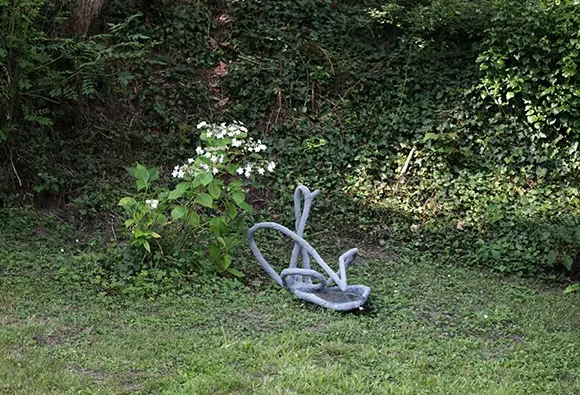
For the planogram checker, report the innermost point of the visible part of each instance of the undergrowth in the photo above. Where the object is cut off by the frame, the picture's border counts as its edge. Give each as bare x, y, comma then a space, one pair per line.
447, 126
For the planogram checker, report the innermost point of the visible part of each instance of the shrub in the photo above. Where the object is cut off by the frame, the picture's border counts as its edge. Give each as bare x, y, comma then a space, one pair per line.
199, 217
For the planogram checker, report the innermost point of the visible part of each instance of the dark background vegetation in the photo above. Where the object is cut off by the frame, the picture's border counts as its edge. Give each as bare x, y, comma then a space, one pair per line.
445, 126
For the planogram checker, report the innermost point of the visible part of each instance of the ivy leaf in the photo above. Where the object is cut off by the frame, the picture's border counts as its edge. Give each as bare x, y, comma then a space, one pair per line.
567, 262
552, 255
430, 136
205, 200
572, 288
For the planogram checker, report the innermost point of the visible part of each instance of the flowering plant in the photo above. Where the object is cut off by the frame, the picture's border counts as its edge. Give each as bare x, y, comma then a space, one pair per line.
202, 207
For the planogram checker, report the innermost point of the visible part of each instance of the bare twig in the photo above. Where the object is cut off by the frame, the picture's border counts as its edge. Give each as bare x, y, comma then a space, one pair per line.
327, 58
113, 229
406, 166
14, 169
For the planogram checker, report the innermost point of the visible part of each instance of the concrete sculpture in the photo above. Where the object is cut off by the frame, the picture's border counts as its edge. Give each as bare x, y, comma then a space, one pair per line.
298, 280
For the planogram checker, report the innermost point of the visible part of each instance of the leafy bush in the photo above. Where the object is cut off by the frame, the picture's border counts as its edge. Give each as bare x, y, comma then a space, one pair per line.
200, 214
529, 60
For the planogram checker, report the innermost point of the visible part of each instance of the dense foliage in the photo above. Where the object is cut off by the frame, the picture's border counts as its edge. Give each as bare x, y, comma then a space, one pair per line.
450, 125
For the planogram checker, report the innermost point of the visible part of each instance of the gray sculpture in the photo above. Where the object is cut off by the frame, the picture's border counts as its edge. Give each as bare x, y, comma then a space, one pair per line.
298, 280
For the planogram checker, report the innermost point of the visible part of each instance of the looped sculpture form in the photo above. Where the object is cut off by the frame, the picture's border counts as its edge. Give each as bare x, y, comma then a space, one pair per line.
298, 280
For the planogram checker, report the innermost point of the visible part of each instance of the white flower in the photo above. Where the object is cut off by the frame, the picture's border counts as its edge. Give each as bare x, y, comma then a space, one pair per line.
261, 171
221, 159
199, 151
247, 174
214, 158
204, 167
240, 170
62, 250
243, 129
209, 133
236, 142
262, 147
152, 203
208, 155
77, 240
271, 166
201, 124
215, 170
485, 316
176, 172
190, 160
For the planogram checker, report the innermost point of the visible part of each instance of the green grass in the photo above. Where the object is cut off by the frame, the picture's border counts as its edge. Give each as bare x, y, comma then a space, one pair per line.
432, 330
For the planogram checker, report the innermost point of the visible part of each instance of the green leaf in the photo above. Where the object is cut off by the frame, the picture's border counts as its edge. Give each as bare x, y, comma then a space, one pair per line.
127, 202
194, 219
147, 246
238, 197
179, 190
218, 226
153, 174
205, 178
160, 218
214, 190
552, 255
430, 136
178, 212
246, 207
129, 222
572, 288
227, 260
567, 262
214, 253
235, 184
141, 173
141, 185
231, 210
235, 272
205, 200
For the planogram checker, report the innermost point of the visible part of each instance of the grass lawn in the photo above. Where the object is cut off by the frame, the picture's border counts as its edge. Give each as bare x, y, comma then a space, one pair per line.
432, 330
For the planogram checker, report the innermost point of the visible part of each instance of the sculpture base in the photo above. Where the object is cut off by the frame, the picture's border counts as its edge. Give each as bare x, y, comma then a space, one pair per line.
333, 298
